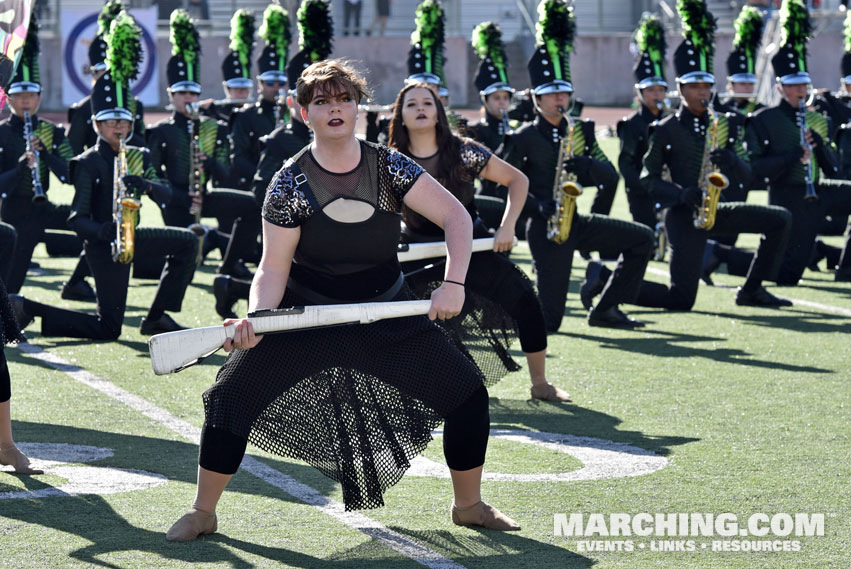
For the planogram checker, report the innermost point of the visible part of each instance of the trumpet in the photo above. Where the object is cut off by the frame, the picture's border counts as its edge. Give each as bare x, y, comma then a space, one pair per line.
35, 170
125, 210
233, 102
376, 108
810, 194
565, 188
712, 182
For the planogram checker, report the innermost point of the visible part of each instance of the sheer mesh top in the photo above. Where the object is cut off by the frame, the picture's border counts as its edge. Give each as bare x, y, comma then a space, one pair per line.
382, 179
474, 158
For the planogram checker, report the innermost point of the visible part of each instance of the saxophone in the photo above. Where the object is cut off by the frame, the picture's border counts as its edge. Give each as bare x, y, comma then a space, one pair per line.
125, 210
196, 178
38, 190
712, 182
565, 189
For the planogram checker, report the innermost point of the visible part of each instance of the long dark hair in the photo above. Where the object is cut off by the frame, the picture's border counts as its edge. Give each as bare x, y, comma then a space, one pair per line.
450, 170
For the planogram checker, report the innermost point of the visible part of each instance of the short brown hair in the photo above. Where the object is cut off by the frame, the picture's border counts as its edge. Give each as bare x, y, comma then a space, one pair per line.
331, 76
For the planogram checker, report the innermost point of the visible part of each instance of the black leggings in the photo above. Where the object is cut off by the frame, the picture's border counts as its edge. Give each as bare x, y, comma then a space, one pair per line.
5, 380
465, 439
496, 278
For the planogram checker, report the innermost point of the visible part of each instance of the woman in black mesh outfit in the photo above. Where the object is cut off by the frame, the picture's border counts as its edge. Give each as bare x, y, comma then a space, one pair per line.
356, 402
500, 297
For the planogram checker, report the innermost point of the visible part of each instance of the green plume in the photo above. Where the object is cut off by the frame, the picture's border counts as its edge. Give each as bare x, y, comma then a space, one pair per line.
650, 37
794, 25
124, 48
316, 28
748, 28
107, 14
487, 42
242, 35
275, 29
846, 31
698, 26
32, 45
430, 33
556, 27
184, 37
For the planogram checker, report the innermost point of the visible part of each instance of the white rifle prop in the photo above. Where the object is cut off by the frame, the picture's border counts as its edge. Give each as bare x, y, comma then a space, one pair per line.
419, 251
174, 351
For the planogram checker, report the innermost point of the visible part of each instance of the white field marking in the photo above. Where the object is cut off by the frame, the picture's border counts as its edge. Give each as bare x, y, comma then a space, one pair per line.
56, 458
375, 530
795, 301
600, 458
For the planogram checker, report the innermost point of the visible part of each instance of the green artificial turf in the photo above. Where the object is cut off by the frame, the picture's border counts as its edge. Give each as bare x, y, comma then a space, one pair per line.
749, 406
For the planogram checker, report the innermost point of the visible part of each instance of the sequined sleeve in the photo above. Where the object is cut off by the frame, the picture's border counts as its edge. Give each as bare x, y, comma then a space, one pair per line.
401, 171
475, 156
286, 204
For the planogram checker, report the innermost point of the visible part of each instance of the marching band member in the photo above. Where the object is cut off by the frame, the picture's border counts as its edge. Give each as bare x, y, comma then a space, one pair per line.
314, 23
236, 70
535, 150
741, 64
796, 171
32, 148
686, 150
190, 163
93, 213
634, 131
252, 122
81, 135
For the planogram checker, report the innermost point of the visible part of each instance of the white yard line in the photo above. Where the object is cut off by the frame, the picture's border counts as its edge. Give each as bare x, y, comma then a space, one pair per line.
375, 530
796, 301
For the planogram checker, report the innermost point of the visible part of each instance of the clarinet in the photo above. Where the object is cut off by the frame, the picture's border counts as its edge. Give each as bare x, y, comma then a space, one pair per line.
196, 179
38, 191
196, 165
810, 194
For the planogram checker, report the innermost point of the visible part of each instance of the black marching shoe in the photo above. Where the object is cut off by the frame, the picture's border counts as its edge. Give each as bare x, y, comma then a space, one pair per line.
161, 325
760, 297
80, 290
224, 298
612, 318
842, 275
710, 263
23, 317
592, 285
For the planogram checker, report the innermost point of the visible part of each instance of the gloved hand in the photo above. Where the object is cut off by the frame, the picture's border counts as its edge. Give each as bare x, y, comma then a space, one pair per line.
579, 165
136, 183
723, 158
818, 141
209, 165
546, 208
691, 196
106, 232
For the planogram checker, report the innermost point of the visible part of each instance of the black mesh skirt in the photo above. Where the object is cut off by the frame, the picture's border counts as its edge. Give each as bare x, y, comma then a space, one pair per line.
484, 331
356, 402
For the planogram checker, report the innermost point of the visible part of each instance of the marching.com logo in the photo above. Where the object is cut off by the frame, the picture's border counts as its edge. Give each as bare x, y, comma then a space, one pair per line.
766, 528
